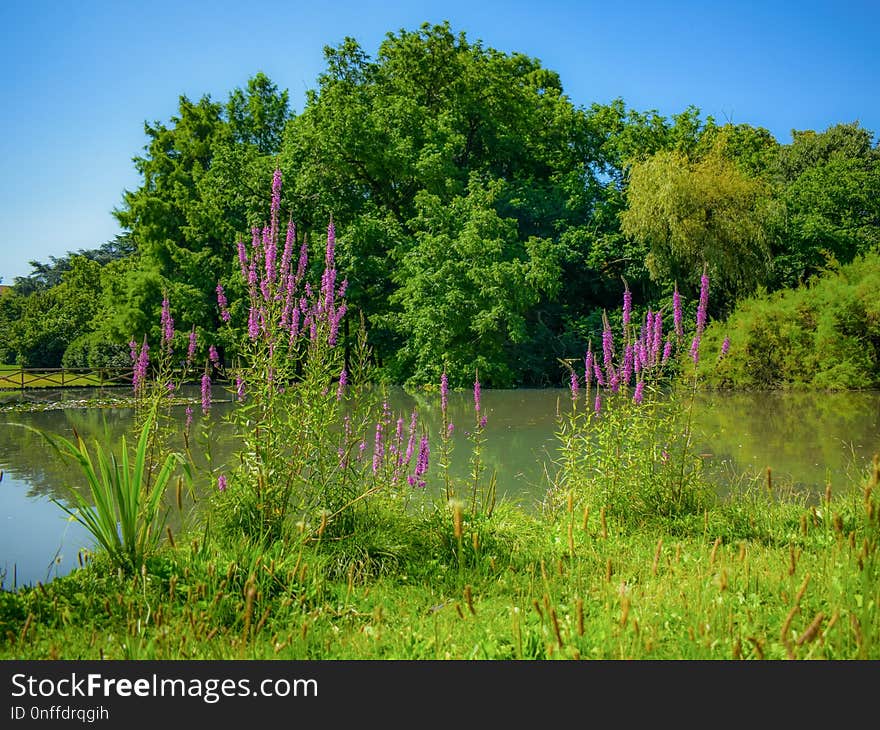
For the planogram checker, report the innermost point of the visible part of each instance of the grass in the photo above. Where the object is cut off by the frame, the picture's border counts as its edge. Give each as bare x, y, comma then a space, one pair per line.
757, 578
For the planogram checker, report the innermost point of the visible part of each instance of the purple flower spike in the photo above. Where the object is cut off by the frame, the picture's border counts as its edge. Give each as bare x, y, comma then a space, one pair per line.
206, 393
676, 313
343, 381
189, 417
597, 404
574, 385
627, 307
191, 347
239, 387
725, 346
222, 303
639, 392
444, 392
703, 304
167, 323
213, 356
667, 351
221, 483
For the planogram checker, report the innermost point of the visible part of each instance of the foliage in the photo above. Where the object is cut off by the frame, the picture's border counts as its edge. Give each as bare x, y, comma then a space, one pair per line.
124, 513
824, 334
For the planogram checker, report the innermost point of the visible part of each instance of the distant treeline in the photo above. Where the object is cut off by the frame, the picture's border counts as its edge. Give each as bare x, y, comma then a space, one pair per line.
484, 221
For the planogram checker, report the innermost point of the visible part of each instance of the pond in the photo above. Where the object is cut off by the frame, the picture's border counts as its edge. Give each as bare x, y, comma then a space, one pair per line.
808, 439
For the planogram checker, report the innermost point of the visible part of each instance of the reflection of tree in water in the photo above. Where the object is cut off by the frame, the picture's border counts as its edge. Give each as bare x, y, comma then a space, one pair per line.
799, 435
803, 437
26, 456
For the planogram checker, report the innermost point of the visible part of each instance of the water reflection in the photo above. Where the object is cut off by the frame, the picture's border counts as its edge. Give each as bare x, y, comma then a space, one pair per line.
807, 439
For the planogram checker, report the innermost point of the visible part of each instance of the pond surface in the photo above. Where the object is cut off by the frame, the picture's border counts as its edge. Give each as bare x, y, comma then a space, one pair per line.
808, 440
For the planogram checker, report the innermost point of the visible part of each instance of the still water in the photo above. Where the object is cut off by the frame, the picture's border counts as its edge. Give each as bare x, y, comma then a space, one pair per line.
808, 440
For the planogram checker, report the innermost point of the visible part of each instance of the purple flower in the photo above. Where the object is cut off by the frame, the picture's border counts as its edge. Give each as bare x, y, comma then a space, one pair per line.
343, 381
139, 374
574, 385
253, 323
725, 346
676, 312
222, 303
287, 254
242, 258
133, 351
221, 483
597, 371
444, 392
628, 364
191, 348
703, 304
206, 393
421, 462
667, 351
627, 307
607, 348
449, 429
477, 394
167, 323
189, 417
639, 392
657, 338
695, 349
597, 404
588, 368
239, 387
411, 443
213, 356
378, 448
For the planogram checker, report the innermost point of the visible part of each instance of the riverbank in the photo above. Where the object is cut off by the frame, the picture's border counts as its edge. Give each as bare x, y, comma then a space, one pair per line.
763, 576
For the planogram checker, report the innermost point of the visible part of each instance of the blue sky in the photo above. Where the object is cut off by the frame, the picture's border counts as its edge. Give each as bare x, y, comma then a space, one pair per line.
79, 79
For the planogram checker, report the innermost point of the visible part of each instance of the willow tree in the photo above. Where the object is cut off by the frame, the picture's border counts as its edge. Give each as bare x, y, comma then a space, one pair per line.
694, 212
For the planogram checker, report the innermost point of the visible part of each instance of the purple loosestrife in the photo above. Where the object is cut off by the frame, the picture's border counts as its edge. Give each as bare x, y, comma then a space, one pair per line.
639, 392
141, 367
588, 368
597, 371
607, 347
627, 307
574, 385
239, 387
328, 279
222, 304
444, 393
411, 443
478, 395
133, 351
213, 356
667, 351
167, 324
253, 323
270, 247
421, 464
287, 254
597, 404
340, 388
725, 346
276, 201
242, 259
676, 312
189, 417
703, 304
221, 483
628, 364
206, 393
658, 337
191, 347
378, 448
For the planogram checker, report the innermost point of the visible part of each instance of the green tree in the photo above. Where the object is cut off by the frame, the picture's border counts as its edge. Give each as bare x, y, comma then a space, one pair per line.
696, 212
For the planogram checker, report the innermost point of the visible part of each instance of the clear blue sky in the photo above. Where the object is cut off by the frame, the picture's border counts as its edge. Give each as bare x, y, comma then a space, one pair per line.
80, 78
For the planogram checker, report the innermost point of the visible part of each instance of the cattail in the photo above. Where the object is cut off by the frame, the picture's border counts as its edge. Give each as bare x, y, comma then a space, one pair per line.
456, 521
469, 599
657, 556
580, 616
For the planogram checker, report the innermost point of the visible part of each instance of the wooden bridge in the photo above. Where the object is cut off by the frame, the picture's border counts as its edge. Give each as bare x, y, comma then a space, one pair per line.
14, 378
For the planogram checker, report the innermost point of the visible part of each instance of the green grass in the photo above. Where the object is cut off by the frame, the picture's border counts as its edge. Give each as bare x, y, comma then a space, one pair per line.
758, 578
